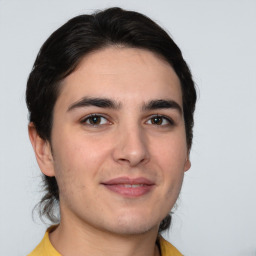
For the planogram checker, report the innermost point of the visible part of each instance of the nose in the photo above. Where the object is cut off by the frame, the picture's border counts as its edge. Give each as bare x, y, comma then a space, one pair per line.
131, 147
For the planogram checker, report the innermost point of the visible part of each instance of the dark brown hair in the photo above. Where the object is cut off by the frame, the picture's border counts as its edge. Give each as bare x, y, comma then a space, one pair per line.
62, 52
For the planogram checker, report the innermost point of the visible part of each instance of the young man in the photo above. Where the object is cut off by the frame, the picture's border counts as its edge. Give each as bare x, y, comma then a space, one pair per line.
111, 103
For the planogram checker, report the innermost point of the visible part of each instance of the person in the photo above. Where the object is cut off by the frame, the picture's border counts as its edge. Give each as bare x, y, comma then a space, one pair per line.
111, 103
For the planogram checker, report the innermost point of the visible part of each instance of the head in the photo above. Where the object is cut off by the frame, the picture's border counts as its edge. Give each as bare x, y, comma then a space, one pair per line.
65, 50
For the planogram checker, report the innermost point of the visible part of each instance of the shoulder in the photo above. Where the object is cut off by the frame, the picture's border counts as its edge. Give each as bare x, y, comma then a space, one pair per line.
45, 247
167, 249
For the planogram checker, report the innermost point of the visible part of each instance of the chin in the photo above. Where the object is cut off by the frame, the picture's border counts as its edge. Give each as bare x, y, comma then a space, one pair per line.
130, 225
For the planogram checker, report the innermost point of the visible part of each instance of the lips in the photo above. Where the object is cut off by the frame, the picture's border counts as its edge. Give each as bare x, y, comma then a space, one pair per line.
129, 187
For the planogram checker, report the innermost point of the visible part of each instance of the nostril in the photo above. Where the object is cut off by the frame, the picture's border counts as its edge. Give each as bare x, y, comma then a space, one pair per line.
123, 160
132, 161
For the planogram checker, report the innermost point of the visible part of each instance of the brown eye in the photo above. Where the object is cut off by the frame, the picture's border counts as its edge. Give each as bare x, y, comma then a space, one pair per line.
95, 120
158, 120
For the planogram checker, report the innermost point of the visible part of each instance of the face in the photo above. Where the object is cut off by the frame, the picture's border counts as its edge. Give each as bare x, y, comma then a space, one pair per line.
118, 141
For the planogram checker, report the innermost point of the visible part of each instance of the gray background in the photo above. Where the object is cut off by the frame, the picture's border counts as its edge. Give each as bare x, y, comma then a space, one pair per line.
217, 208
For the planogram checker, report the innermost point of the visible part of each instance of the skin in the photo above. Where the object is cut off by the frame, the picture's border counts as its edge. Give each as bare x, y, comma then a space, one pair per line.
130, 140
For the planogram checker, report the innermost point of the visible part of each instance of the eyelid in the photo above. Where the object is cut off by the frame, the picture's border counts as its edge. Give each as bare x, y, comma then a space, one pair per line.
85, 118
108, 120
167, 118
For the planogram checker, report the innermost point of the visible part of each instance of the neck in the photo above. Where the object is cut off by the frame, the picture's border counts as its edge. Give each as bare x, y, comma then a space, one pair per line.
79, 239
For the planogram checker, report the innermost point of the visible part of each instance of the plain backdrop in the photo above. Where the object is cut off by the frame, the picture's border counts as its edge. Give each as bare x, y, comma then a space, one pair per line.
216, 211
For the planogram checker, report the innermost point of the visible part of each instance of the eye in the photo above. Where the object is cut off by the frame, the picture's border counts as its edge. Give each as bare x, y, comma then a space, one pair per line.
95, 120
160, 120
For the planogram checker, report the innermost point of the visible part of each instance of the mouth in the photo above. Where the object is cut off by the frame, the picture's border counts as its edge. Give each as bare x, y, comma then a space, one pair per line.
128, 187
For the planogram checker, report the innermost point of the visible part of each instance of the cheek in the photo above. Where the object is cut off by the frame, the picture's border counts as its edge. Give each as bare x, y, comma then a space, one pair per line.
80, 156
170, 153
170, 156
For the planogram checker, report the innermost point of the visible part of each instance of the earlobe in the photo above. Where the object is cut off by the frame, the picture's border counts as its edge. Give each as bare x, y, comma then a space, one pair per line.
187, 164
42, 151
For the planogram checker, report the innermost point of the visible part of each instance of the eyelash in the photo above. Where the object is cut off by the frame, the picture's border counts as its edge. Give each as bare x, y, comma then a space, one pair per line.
163, 118
169, 121
91, 116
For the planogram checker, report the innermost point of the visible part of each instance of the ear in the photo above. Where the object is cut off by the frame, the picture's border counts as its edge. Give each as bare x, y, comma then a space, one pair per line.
187, 164
42, 149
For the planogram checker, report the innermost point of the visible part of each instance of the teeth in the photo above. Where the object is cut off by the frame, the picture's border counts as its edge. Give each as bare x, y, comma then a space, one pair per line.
132, 185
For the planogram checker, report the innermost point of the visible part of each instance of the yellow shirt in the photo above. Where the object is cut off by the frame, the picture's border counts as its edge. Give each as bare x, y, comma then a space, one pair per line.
45, 248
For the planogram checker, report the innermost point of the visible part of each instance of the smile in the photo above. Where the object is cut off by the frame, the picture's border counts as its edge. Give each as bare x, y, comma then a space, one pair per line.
132, 185
127, 187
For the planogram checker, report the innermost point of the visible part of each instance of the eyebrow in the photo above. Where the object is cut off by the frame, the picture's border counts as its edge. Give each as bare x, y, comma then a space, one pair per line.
111, 104
162, 104
97, 102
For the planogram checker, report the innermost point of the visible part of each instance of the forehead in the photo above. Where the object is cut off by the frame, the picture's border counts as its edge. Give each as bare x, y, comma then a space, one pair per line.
124, 74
